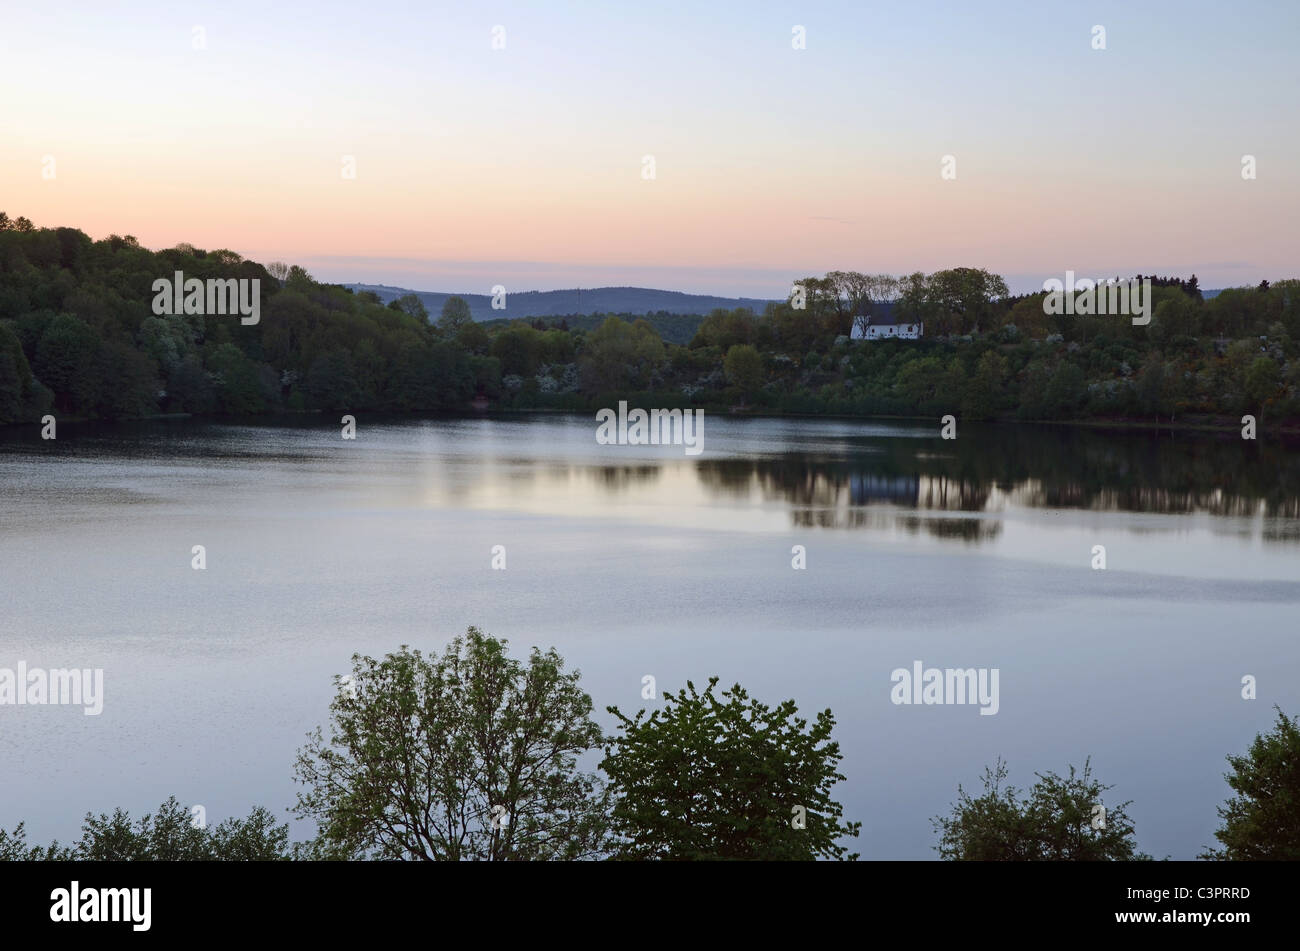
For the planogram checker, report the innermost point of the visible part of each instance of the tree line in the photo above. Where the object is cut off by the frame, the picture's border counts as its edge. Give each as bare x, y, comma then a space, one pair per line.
78, 338
475, 755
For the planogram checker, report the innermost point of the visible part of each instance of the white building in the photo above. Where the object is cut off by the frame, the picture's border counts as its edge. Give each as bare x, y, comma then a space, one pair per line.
883, 328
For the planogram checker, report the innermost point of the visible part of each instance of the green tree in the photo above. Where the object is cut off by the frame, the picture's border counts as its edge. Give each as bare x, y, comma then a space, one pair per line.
15, 376
172, 835
960, 298
743, 367
518, 348
1262, 821
473, 338
724, 328
983, 396
15, 848
915, 303
952, 387
332, 382
619, 356
920, 381
788, 329
130, 385
1261, 381
710, 778
11, 390
455, 314
12, 345
1066, 391
825, 311
412, 306
236, 381
869, 295
189, 389
169, 835
1062, 819
168, 340
471, 756
67, 362
1033, 390
299, 279
429, 377
1152, 386
1174, 317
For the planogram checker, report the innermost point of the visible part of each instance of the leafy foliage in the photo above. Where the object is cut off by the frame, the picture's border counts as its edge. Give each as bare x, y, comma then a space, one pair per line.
1061, 819
470, 756
709, 777
88, 344
1262, 822
169, 835
744, 368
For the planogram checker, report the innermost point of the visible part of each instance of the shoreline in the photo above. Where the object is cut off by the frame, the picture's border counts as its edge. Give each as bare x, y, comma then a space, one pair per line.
1192, 424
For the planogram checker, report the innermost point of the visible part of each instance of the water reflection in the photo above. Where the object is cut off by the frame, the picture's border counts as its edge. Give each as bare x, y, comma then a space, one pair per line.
994, 468
623, 478
754, 475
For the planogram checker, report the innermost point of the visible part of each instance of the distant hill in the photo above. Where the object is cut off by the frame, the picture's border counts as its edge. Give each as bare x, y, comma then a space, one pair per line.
589, 301
596, 300
672, 328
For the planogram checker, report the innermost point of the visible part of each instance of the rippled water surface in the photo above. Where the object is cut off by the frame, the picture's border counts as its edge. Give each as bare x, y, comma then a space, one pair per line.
644, 560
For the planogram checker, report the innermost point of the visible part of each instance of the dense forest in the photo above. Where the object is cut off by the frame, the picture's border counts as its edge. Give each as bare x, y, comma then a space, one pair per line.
79, 338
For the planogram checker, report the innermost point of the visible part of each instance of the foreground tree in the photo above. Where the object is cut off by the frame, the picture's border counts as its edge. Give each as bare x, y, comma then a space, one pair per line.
1262, 822
15, 848
172, 834
471, 756
710, 778
1060, 820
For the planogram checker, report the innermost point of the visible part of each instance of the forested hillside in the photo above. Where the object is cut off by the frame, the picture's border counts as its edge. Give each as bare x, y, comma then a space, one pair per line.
633, 301
79, 337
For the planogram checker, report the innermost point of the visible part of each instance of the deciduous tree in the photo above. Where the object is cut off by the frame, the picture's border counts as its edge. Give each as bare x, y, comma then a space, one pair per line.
468, 756
1262, 821
1061, 819
726, 777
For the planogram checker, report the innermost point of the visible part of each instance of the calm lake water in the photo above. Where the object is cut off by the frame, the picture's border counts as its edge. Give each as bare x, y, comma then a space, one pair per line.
643, 560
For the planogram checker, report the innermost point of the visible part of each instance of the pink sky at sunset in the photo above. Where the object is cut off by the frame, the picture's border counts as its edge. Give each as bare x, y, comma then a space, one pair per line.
523, 166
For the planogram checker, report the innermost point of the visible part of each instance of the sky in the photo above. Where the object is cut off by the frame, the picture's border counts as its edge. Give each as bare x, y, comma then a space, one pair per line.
230, 125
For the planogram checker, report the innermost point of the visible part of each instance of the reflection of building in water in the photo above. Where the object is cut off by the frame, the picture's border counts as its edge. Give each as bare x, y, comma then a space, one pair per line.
918, 491
868, 487
954, 495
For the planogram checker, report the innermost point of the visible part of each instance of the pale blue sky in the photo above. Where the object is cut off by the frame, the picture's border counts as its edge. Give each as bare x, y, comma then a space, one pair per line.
771, 163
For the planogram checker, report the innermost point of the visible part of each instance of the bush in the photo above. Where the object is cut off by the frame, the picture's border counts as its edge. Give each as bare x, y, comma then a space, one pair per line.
1263, 820
1058, 821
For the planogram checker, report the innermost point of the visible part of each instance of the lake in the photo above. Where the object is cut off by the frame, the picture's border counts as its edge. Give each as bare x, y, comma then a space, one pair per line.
642, 560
